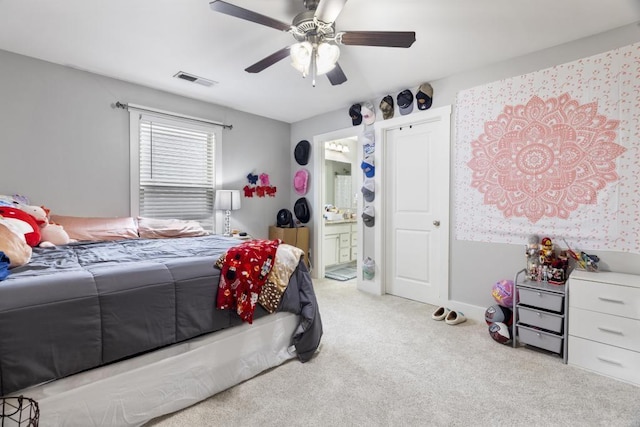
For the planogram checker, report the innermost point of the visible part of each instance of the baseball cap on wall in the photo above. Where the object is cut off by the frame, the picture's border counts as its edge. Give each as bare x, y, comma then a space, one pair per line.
386, 106
424, 96
368, 167
368, 190
355, 114
405, 102
368, 113
368, 216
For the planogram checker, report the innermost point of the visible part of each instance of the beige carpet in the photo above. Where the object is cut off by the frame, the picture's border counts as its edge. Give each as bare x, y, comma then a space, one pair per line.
384, 362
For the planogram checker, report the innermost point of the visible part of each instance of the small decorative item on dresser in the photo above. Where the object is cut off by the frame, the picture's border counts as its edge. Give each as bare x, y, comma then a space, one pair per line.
583, 260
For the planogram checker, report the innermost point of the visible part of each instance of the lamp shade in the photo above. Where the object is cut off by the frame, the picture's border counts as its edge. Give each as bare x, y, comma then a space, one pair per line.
227, 200
326, 57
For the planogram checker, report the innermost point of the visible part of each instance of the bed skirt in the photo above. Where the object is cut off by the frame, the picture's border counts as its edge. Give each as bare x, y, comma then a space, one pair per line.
134, 391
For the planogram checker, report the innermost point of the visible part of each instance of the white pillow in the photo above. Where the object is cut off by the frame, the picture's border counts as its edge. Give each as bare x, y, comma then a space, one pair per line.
155, 228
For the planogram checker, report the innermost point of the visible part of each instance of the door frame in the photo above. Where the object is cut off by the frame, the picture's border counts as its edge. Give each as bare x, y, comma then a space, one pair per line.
378, 285
318, 148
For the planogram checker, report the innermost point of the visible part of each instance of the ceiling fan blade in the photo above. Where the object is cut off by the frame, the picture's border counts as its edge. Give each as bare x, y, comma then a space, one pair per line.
377, 38
328, 10
269, 60
239, 12
336, 75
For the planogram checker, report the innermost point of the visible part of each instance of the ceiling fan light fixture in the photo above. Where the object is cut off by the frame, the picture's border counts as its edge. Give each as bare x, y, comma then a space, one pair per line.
326, 57
301, 56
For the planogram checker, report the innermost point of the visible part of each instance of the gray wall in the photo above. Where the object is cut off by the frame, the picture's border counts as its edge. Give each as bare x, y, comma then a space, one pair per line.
65, 147
474, 266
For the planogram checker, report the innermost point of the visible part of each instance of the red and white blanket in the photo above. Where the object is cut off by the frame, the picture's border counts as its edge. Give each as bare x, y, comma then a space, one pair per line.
244, 273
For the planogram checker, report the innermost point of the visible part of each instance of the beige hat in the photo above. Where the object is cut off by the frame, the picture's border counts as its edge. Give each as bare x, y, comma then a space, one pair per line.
386, 106
424, 96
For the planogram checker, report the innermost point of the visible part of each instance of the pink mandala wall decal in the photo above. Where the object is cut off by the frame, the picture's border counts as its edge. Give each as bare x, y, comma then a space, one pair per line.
545, 158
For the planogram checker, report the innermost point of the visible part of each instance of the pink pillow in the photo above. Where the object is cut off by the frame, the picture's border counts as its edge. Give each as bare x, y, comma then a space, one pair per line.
97, 228
154, 228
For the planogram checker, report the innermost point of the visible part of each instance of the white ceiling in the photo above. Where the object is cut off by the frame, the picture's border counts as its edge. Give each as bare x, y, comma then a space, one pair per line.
148, 41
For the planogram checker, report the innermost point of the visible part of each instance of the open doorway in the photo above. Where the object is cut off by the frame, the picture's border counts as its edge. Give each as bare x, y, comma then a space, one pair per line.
336, 231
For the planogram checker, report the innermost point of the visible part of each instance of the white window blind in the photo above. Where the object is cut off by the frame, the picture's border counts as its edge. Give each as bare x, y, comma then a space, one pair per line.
176, 170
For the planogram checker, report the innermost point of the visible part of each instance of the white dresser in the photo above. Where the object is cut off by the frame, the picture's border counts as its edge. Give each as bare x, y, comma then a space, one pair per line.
604, 324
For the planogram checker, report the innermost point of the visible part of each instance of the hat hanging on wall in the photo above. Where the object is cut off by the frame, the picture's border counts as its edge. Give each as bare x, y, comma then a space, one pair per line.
386, 106
368, 190
301, 181
424, 96
302, 151
355, 114
301, 210
405, 102
368, 216
368, 167
368, 113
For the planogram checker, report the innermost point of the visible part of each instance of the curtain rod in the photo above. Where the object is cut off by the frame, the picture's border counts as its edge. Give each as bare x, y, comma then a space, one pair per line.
128, 107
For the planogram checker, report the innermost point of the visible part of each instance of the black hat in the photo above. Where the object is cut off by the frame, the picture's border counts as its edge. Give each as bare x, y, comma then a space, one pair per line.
284, 218
424, 96
301, 152
405, 102
356, 115
302, 211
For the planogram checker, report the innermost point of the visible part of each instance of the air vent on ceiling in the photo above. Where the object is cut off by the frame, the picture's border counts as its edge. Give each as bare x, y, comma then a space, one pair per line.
194, 79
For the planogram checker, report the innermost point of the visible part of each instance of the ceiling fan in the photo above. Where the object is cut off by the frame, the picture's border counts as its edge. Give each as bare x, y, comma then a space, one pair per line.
316, 51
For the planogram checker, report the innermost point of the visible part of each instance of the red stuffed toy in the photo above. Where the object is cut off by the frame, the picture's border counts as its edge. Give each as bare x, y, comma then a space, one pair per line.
33, 236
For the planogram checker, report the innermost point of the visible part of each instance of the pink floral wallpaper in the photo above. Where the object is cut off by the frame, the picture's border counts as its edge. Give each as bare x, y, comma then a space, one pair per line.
554, 153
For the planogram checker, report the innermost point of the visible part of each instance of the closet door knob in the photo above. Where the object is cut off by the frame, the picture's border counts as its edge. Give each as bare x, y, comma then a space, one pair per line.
436, 223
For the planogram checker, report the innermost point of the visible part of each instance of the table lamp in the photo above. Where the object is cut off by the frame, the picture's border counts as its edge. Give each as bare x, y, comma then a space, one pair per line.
227, 201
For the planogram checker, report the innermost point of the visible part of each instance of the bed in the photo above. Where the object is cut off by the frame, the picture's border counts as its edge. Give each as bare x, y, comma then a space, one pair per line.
120, 332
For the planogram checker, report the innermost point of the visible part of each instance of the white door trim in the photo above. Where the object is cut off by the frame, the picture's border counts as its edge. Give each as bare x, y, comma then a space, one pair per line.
378, 286
318, 184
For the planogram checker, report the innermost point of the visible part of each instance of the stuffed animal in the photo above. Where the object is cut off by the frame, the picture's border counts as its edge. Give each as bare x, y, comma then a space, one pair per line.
31, 228
54, 235
41, 216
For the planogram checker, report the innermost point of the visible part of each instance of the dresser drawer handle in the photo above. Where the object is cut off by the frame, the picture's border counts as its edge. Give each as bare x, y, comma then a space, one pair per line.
611, 331
613, 362
617, 301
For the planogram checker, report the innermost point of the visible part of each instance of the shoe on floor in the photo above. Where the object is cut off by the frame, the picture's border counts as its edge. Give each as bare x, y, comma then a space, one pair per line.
440, 313
455, 317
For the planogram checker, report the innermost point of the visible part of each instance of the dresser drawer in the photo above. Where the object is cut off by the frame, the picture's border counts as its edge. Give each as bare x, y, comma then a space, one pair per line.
541, 339
541, 299
345, 240
605, 359
541, 319
605, 298
605, 328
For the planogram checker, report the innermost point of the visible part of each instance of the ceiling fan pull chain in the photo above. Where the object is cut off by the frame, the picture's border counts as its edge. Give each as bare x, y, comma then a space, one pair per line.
314, 68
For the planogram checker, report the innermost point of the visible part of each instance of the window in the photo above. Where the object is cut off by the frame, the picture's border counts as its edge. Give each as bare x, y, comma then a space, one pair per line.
172, 168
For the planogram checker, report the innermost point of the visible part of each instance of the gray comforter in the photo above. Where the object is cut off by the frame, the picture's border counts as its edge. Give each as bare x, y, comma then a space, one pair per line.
83, 305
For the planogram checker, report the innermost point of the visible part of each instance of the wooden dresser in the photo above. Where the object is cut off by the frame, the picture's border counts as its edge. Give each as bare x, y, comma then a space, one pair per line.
604, 324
